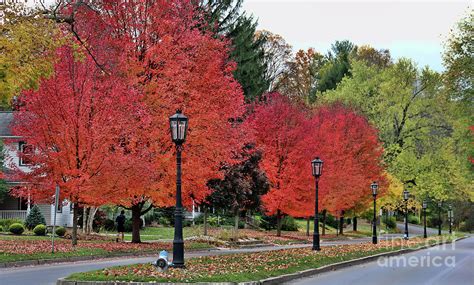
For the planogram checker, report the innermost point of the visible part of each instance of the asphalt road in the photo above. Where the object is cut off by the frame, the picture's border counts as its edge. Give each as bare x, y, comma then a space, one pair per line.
437, 265
417, 230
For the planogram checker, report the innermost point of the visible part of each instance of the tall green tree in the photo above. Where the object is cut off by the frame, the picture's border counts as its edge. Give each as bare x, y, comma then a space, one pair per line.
248, 53
337, 67
225, 18
412, 112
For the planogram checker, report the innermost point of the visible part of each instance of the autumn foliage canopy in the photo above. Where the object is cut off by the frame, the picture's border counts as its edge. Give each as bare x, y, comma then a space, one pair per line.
99, 124
291, 138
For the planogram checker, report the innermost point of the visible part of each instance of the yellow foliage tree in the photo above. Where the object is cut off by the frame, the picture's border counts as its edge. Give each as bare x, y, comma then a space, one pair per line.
27, 44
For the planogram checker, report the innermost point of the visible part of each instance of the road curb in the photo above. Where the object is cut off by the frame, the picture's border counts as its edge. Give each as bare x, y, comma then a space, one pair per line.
273, 280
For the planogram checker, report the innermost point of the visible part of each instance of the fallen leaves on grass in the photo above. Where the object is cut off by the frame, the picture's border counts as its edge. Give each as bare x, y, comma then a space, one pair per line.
43, 246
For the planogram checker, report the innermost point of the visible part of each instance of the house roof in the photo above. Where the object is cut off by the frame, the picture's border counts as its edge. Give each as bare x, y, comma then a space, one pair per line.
6, 118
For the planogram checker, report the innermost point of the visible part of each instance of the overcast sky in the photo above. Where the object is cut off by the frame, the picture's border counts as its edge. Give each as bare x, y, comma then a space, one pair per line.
414, 29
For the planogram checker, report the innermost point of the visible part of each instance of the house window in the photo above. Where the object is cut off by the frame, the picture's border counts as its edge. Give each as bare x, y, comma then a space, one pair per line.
60, 208
25, 153
71, 208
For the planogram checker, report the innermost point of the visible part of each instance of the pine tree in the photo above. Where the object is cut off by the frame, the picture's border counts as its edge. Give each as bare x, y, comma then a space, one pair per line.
34, 218
226, 19
249, 55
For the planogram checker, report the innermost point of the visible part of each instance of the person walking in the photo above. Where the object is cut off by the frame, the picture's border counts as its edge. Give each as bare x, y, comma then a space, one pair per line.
120, 220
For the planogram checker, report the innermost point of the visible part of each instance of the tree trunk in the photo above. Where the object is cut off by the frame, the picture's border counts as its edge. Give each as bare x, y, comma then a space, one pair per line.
236, 225
307, 226
84, 220
324, 223
205, 220
341, 224
136, 213
74, 224
354, 224
90, 219
278, 223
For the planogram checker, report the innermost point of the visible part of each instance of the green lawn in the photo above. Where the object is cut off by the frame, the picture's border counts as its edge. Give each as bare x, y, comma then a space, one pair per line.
6, 236
161, 233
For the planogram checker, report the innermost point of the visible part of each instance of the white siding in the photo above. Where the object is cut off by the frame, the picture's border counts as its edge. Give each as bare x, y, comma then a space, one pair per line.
63, 218
12, 158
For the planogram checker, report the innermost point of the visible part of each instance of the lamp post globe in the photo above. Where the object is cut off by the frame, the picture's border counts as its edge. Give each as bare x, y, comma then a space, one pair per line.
406, 196
178, 130
424, 206
317, 170
374, 187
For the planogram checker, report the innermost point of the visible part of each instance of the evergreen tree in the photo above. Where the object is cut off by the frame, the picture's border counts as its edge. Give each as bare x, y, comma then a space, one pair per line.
34, 218
338, 65
225, 18
249, 55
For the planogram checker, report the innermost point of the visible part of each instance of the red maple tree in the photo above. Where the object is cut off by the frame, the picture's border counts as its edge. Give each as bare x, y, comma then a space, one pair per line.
292, 136
278, 127
74, 122
352, 156
175, 65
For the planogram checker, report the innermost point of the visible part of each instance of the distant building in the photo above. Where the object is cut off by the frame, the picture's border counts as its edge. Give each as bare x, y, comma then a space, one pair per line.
18, 208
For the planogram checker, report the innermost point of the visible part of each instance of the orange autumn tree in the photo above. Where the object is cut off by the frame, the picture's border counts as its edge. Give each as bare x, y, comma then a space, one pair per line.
352, 156
278, 126
73, 122
175, 65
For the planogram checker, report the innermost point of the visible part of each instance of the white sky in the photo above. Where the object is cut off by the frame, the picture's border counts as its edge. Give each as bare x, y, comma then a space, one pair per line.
414, 29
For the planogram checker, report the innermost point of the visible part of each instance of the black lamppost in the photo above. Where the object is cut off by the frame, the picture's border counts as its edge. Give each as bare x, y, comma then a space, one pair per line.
406, 195
425, 204
374, 186
440, 204
178, 128
317, 169
450, 217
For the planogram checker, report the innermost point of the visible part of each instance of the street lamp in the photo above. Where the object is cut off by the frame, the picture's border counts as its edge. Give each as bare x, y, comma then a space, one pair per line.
317, 169
440, 204
425, 205
406, 195
450, 217
178, 128
374, 186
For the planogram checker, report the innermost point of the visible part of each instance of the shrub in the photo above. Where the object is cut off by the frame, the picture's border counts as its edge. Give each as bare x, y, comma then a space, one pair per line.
270, 223
414, 220
34, 218
433, 222
40, 230
109, 225
17, 228
390, 222
5, 223
1, 229
60, 231
289, 224
332, 221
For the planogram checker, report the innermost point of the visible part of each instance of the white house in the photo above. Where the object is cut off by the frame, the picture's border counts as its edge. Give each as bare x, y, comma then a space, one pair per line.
12, 207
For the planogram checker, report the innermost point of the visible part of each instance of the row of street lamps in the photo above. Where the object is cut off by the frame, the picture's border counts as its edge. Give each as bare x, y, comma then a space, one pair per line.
178, 129
317, 169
